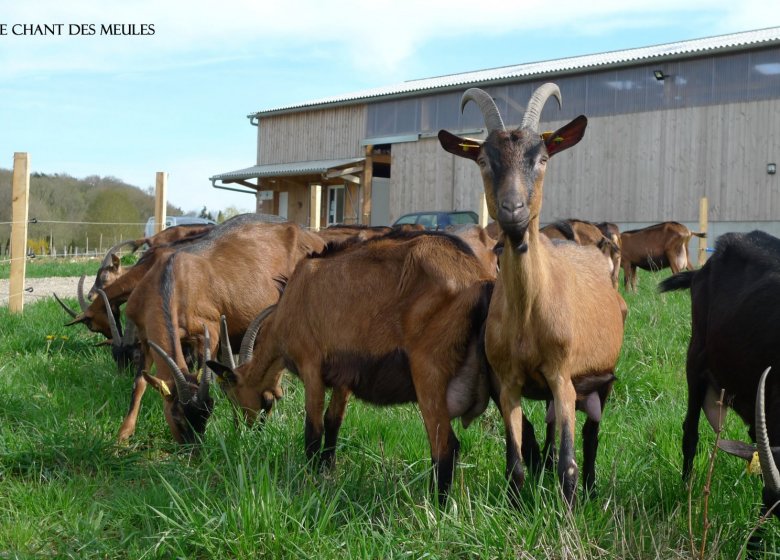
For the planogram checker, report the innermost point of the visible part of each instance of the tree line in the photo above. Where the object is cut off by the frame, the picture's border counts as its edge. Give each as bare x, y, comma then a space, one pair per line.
74, 213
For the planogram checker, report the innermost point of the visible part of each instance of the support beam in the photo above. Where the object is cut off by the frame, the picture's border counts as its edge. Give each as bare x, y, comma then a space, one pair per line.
315, 206
19, 216
368, 178
160, 201
484, 217
703, 223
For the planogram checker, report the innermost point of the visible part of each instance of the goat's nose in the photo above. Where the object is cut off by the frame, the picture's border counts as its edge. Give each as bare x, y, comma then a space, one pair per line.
512, 208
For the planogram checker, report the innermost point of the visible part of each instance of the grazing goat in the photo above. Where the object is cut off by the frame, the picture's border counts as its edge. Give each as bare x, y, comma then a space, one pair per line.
555, 325
588, 233
653, 248
735, 327
234, 271
111, 266
409, 331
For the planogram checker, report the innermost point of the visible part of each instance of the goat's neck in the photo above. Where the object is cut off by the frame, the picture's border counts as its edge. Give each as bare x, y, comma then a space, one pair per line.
525, 275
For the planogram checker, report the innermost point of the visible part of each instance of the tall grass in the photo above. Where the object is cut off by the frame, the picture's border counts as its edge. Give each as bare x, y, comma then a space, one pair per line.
69, 491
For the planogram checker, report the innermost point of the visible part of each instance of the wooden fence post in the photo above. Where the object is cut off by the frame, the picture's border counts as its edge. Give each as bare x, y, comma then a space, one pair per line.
160, 201
19, 216
703, 223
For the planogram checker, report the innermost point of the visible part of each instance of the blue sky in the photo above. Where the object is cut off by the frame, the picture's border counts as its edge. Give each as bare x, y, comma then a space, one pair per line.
177, 100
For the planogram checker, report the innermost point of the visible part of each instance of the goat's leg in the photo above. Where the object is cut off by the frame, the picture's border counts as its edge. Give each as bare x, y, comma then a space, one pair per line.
565, 397
590, 445
532, 455
513, 426
697, 390
334, 415
313, 426
444, 444
548, 451
127, 428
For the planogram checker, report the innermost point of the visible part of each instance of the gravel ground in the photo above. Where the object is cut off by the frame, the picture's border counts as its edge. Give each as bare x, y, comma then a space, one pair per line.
43, 288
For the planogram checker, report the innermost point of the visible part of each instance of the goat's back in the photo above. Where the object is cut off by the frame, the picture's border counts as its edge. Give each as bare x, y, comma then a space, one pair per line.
735, 311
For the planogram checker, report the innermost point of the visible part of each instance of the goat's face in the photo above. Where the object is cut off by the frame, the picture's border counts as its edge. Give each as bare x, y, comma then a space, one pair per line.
94, 318
186, 409
255, 400
106, 276
513, 164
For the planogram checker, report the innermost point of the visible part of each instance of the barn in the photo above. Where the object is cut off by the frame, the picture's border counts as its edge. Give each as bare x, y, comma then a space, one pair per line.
668, 125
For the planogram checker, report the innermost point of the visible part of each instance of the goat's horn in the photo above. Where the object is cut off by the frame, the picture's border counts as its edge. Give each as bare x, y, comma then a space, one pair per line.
248, 342
82, 300
768, 466
183, 389
67, 309
533, 112
205, 378
224, 344
486, 105
112, 251
116, 338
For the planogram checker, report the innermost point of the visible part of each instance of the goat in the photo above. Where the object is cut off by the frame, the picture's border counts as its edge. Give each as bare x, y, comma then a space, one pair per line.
233, 270
588, 233
735, 313
555, 325
111, 265
654, 248
408, 332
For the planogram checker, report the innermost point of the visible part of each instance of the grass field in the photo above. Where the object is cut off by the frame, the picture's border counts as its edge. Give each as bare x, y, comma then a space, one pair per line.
67, 490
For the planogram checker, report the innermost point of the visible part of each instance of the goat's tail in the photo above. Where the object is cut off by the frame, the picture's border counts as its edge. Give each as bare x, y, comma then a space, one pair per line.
701, 234
679, 281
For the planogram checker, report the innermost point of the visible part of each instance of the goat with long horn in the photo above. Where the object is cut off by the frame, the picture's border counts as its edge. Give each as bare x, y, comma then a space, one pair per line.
555, 325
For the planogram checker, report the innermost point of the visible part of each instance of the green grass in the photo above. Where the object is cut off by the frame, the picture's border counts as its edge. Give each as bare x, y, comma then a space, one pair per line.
69, 491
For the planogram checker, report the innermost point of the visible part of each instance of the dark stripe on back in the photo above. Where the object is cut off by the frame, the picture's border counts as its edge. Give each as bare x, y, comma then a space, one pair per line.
166, 294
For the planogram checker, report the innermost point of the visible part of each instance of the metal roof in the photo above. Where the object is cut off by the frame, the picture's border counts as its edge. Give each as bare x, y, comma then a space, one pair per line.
733, 41
284, 169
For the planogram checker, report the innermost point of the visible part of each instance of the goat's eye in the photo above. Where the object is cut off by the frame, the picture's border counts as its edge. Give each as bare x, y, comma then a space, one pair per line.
482, 162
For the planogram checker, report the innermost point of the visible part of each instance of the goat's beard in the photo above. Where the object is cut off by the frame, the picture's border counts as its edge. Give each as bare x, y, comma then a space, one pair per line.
515, 234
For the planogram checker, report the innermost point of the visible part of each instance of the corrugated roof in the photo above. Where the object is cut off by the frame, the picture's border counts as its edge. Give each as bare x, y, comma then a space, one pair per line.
284, 169
538, 69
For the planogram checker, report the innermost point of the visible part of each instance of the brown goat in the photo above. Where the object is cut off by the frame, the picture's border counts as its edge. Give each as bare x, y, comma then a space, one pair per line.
587, 233
655, 247
234, 270
111, 266
555, 325
409, 331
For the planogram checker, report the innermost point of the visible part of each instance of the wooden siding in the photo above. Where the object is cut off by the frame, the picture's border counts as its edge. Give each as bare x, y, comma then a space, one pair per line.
312, 135
641, 167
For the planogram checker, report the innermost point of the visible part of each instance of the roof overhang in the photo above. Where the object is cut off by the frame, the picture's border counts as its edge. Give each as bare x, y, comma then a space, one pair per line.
326, 169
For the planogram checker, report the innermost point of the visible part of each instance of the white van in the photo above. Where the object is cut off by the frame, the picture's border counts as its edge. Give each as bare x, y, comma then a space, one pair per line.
171, 221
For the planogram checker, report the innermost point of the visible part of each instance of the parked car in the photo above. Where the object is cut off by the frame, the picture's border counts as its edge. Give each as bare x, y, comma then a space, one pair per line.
439, 219
171, 221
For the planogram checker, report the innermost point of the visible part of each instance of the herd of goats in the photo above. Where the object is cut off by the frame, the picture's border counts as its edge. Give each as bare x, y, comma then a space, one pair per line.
447, 319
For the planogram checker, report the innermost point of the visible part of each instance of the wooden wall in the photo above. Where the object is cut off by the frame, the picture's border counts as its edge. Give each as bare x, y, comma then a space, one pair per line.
312, 135
641, 167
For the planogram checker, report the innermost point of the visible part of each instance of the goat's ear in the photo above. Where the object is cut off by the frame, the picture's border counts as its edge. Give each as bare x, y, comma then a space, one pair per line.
115, 261
461, 147
224, 373
566, 136
737, 448
159, 384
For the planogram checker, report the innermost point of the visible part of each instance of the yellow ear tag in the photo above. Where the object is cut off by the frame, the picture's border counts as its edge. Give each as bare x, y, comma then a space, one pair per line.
164, 390
200, 374
754, 466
